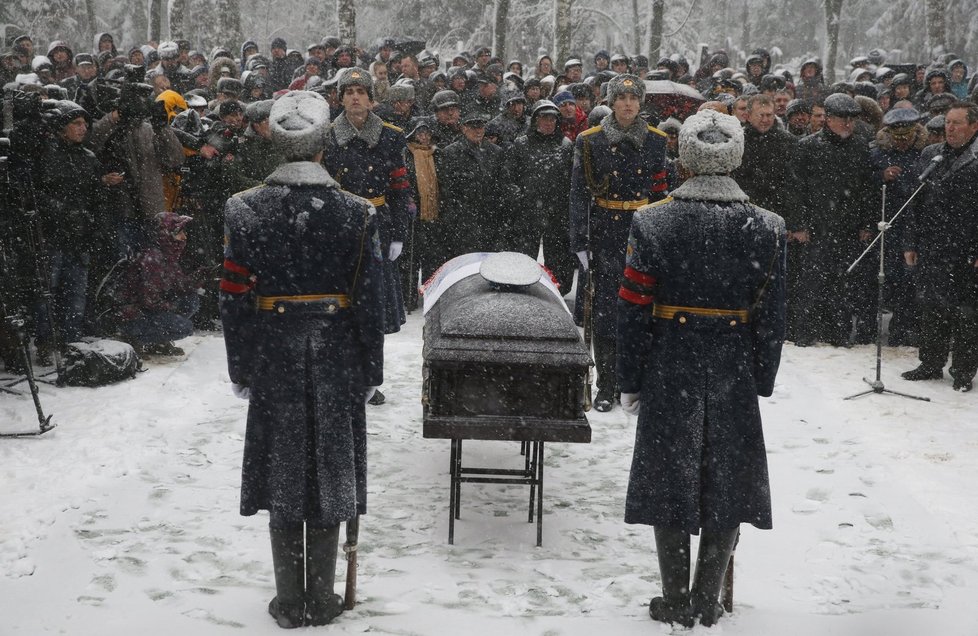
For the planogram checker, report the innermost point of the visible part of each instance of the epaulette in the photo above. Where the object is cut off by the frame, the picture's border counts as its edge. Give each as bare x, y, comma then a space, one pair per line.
393, 127
257, 187
655, 204
590, 131
655, 130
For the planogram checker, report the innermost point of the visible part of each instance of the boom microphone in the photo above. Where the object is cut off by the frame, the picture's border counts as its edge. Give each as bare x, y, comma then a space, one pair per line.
925, 175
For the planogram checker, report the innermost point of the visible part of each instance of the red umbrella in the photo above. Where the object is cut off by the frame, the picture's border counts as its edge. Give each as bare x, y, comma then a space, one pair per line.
671, 99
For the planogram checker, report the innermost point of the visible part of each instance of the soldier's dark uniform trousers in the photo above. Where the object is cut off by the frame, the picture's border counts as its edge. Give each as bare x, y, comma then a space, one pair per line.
302, 307
611, 178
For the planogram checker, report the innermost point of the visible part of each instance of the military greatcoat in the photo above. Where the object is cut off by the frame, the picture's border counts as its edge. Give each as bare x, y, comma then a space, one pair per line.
700, 328
307, 362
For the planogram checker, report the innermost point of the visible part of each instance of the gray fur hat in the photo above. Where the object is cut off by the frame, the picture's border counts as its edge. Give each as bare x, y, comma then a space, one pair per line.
711, 143
355, 76
259, 111
298, 123
623, 84
400, 91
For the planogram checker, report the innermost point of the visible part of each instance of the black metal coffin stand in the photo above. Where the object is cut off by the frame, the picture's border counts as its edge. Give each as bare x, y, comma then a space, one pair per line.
502, 362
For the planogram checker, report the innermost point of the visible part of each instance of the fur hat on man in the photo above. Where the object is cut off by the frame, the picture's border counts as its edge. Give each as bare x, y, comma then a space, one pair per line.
711, 143
298, 123
401, 90
355, 76
622, 85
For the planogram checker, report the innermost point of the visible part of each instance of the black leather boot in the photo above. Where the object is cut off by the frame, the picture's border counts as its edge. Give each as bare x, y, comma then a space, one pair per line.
716, 546
288, 606
672, 546
322, 604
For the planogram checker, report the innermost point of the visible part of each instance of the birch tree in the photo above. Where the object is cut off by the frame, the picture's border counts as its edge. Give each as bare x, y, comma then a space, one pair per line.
936, 27
562, 30
500, 23
346, 17
833, 15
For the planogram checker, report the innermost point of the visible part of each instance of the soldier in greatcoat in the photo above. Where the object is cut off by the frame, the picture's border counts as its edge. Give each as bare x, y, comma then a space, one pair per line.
700, 328
366, 157
619, 166
302, 306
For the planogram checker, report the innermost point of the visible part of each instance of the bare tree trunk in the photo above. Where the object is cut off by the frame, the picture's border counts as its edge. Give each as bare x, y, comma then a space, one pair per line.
655, 30
178, 8
500, 22
745, 18
562, 30
346, 16
153, 9
833, 15
936, 27
90, 17
637, 31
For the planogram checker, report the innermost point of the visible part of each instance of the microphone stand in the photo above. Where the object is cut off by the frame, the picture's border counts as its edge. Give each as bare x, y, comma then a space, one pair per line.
877, 386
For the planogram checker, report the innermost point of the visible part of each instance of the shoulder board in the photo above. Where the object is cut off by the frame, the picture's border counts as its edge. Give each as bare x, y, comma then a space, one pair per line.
656, 204
251, 189
393, 127
590, 131
653, 129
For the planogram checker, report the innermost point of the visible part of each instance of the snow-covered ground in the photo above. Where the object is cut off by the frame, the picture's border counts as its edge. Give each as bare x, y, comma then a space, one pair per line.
124, 519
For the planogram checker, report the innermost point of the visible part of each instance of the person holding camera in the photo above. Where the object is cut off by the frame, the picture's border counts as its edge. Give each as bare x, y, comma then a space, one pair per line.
67, 198
136, 148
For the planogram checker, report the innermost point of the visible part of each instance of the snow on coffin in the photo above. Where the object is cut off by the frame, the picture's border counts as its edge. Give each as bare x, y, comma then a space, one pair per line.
503, 360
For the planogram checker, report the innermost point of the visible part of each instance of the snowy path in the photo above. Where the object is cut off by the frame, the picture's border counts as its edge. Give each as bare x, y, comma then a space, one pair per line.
124, 519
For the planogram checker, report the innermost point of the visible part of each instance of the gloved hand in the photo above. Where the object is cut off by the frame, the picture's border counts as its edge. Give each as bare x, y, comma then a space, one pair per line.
241, 391
582, 256
630, 402
396, 248
370, 393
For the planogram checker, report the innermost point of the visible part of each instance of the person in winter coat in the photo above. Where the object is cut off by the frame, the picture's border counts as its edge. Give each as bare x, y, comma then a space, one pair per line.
700, 331
104, 42
68, 203
619, 166
158, 298
282, 67
539, 164
302, 308
421, 158
366, 156
894, 154
136, 150
935, 83
573, 120
765, 175
942, 245
811, 82
957, 78
511, 123
61, 60
836, 214
470, 190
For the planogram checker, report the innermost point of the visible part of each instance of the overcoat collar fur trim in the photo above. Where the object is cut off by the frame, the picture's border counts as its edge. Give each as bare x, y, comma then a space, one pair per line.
711, 187
370, 133
301, 173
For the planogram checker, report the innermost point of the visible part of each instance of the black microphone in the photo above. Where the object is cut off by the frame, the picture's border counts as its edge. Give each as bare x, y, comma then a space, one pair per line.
925, 175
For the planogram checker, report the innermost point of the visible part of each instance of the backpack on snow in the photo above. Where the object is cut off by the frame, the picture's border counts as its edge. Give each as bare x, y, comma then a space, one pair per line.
98, 361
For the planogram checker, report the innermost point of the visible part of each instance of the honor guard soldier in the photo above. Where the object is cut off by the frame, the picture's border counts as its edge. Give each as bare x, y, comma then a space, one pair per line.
302, 305
619, 166
366, 156
700, 328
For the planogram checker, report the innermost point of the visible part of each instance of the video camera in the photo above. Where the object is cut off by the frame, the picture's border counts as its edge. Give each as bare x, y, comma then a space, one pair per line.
124, 90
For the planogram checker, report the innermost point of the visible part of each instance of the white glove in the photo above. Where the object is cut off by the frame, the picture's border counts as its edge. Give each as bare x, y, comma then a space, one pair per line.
371, 389
241, 391
395, 250
630, 402
582, 256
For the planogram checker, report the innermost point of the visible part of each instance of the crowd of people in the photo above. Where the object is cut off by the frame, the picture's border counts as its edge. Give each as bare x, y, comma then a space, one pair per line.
132, 155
